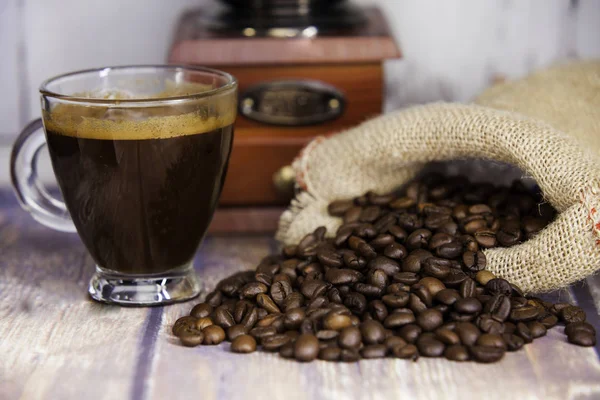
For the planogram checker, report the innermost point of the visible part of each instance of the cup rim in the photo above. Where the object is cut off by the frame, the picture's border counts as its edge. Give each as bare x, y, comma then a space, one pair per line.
230, 84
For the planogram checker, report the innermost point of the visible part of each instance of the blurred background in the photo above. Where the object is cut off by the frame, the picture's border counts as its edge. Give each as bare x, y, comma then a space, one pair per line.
451, 49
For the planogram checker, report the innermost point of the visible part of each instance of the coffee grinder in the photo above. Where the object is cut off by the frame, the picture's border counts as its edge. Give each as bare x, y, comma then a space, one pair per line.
305, 68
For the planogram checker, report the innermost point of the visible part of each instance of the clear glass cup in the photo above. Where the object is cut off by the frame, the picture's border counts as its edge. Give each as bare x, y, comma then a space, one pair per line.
140, 155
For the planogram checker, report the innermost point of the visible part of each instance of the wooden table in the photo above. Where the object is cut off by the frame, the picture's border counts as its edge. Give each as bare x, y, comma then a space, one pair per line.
56, 343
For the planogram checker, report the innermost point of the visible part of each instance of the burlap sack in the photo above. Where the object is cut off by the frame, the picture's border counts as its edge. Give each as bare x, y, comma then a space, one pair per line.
383, 153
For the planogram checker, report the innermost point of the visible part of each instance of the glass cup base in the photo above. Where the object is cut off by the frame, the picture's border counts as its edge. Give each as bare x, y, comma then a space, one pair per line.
173, 286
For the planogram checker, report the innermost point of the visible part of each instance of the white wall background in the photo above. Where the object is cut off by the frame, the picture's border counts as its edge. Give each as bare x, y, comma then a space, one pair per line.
452, 48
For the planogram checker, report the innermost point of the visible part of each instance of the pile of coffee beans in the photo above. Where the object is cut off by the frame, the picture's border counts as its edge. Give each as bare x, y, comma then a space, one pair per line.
404, 276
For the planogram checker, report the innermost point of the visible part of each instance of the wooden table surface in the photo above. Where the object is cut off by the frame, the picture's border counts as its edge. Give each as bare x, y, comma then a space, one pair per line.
56, 343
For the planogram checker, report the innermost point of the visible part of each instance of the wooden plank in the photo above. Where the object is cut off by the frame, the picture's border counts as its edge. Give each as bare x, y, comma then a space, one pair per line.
54, 341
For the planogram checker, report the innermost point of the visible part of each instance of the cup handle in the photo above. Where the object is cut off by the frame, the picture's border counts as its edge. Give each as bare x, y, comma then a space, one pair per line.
30, 192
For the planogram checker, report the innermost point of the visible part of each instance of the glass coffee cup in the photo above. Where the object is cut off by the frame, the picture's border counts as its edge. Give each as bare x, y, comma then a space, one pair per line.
140, 154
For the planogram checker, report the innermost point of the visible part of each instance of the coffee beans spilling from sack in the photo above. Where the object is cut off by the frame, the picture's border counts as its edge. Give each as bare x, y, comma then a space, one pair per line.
403, 277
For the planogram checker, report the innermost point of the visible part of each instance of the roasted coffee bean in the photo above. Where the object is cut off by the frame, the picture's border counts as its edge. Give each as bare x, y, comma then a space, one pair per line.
549, 321
378, 310
402, 203
467, 288
416, 304
374, 351
418, 239
447, 336
513, 342
341, 276
396, 300
353, 261
382, 241
214, 298
187, 323
582, 338
430, 320
350, 338
378, 278
474, 261
384, 223
330, 354
485, 238
572, 314
326, 335
422, 293
368, 290
306, 347
213, 334
450, 250
447, 296
261, 332
410, 222
525, 313
537, 329
243, 344
408, 352
488, 324
440, 239
430, 347
468, 333
407, 278
455, 279
279, 291
436, 267
235, 331
191, 340
372, 332
356, 302
410, 332
317, 303
433, 285
340, 207
294, 317
365, 231
347, 355
397, 320
456, 353
524, 332
508, 238
201, 310
287, 350
558, 307
293, 300
342, 235
483, 277
274, 342
498, 306
579, 326
336, 322
498, 285
398, 233
330, 258
485, 354
202, 323
312, 288
251, 318
413, 262
395, 251
264, 301
223, 317
491, 340
469, 305
394, 341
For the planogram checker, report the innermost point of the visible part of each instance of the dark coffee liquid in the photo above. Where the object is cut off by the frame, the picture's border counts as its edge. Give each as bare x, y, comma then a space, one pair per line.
141, 206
